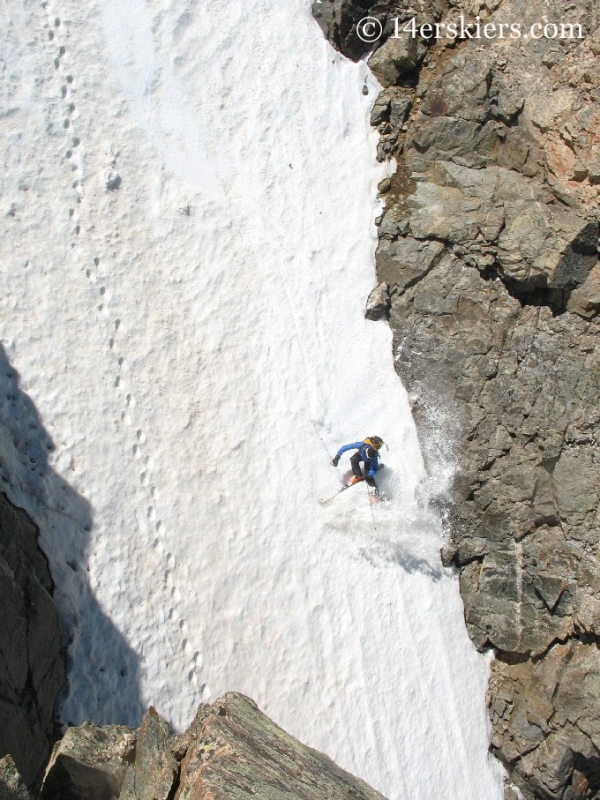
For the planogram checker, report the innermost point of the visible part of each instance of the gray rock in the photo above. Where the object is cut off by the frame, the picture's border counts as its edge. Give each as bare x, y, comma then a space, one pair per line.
594, 166
451, 215
400, 106
544, 246
467, 116
510, 792
381, 109
462, 92
378, 302
566, 678
384, 186
394, 223
12, 786
395, 59
237, 753
231, 751
339, 19
128, 787
155, 765
31, 663
585, 298
498, 218
406, 261
89, 763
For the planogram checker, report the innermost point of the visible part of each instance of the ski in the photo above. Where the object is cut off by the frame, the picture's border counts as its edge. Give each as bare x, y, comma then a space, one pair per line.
326, 500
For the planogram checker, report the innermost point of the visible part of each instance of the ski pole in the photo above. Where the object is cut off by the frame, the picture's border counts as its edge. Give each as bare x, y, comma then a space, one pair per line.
371, 504
321, 439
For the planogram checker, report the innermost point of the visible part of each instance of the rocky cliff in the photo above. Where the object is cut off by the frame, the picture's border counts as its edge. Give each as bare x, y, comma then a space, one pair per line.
231, 751
31, 663
489, 275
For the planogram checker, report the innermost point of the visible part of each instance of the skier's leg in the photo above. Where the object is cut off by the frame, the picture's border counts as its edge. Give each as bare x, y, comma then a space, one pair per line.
355, 464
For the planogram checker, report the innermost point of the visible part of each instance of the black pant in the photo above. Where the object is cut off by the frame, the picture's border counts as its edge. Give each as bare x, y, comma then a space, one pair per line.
355, 464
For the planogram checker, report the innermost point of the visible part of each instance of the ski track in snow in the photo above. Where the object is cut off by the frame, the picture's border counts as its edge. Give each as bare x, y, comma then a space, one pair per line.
181, 336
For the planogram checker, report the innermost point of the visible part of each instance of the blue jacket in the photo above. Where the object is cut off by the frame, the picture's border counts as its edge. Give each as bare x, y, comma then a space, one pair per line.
370, 463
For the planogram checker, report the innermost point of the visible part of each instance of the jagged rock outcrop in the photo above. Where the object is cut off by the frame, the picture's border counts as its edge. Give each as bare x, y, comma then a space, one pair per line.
547, 718
378, 302
156, 767
89, 762
31, 663
12, 786
237, 752
525, 383
489, 246
231, 751
339, 20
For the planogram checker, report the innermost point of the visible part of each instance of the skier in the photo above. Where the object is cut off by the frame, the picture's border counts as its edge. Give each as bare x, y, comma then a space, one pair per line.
367, 453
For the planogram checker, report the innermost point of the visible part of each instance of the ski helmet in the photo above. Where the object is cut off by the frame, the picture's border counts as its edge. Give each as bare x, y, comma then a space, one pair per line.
375, 442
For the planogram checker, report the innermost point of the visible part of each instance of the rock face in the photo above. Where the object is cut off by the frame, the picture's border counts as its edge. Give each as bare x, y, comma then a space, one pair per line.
231, 751
89, 762
489, 246
378, 302
155, 765
12, 786
546, 717
239, 753
340, 22
31, 664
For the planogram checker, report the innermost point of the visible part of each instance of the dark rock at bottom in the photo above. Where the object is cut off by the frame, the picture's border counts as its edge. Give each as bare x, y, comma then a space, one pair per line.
231, 751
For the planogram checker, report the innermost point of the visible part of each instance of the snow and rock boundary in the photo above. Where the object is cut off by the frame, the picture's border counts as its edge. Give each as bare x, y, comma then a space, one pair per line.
488, 248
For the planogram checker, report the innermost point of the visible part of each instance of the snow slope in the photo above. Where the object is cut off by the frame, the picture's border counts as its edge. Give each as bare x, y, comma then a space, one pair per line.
189, 199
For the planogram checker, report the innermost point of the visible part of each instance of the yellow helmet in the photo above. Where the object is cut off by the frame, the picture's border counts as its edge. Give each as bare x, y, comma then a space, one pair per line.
374, 441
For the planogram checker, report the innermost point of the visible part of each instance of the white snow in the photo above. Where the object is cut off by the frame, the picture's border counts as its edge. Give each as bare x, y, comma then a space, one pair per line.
185, 339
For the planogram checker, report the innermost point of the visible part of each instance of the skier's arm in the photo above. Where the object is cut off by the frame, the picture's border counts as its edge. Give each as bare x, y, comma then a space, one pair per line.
353, 446
373, 465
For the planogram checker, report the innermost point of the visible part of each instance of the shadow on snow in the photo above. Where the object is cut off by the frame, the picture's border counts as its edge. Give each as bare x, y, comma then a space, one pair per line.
102, 657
